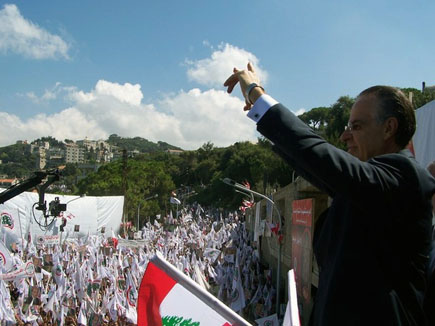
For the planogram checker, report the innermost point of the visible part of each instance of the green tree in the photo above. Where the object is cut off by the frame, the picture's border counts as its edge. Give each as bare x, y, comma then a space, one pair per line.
316, 118
144, 179
17, 161
419, 98
243, 161
339, 116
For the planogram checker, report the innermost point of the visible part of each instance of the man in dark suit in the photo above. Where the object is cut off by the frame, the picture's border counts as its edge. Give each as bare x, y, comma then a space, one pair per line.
372, 243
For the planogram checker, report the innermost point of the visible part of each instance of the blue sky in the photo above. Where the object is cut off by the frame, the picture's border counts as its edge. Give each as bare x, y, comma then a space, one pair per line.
155, 69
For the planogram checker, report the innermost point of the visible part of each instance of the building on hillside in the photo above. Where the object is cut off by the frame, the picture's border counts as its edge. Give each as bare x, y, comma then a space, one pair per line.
104, 156
88, 144
87, 168
55, 160
74, 154
174, 151
133, 153
117, 154
41, 158
101, 144
21, 142
33, 148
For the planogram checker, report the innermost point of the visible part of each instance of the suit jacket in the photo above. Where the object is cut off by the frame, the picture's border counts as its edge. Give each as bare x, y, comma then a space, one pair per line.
372, 243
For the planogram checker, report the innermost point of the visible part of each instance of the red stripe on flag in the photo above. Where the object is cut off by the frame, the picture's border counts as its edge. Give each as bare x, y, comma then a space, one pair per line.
154, 287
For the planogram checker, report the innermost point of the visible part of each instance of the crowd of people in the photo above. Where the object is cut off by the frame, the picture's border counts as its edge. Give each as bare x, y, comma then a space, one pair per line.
94, 280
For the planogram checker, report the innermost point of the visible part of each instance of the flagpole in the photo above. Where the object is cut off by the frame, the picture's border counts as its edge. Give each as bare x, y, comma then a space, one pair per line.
193, 287
21, 231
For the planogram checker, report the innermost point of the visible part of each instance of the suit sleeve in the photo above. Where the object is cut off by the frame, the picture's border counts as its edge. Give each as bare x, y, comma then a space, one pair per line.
327, 167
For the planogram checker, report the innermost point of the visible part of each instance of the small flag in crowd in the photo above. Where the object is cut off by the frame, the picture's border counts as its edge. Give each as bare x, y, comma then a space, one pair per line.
238, 301
168, 297
5, 258
175, 201
271, 320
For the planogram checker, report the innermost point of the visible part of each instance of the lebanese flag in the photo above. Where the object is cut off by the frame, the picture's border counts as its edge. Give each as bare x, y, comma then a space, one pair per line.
167, 296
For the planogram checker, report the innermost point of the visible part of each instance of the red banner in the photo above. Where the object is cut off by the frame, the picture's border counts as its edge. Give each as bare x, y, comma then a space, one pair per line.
302, 220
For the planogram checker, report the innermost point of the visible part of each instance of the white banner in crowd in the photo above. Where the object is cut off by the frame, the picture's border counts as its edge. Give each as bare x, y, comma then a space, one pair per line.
25, 270
91, 213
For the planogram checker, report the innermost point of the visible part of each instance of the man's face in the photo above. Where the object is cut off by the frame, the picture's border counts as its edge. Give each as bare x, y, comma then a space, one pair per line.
365, 139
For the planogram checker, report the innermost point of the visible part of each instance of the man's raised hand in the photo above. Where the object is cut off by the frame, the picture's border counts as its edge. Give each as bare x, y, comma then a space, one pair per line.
245, 78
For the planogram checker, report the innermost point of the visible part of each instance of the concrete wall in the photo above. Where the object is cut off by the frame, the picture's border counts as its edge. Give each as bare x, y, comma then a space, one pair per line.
269, 248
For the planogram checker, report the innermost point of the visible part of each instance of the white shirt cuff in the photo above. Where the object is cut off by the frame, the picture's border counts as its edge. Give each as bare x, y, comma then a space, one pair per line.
261, 106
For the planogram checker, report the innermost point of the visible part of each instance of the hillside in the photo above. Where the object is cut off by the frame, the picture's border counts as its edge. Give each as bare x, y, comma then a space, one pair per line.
140, 144
21, 159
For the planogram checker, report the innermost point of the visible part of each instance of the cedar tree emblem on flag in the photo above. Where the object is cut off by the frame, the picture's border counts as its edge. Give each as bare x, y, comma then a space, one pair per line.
178, 321
7, 220
235, 295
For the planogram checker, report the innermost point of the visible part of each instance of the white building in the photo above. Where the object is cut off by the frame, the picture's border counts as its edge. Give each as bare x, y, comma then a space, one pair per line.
74, 154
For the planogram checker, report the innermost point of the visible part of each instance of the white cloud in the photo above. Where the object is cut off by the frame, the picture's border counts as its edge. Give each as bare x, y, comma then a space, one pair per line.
187, 119
212, 116
49, 94
127, 93
22, 36
215, 70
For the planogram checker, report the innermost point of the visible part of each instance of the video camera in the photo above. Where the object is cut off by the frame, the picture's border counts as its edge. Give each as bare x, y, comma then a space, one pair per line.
55, 207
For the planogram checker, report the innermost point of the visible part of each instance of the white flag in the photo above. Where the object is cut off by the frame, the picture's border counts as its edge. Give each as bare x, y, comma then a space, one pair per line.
81, 319
50, 304
212, 254
174, 201
6, 307
238, 301
6, 262
291, 317
10, 223
271, 320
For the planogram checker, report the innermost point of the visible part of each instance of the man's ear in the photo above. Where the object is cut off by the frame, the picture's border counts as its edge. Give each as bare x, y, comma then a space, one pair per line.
390, 127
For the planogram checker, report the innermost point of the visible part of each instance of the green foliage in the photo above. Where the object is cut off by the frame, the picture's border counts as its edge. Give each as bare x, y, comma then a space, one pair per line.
143, 179
51, 140
138, 143
243, 161
339, 116
419, 98
17, 161
317, 118
178, 321
107, 181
